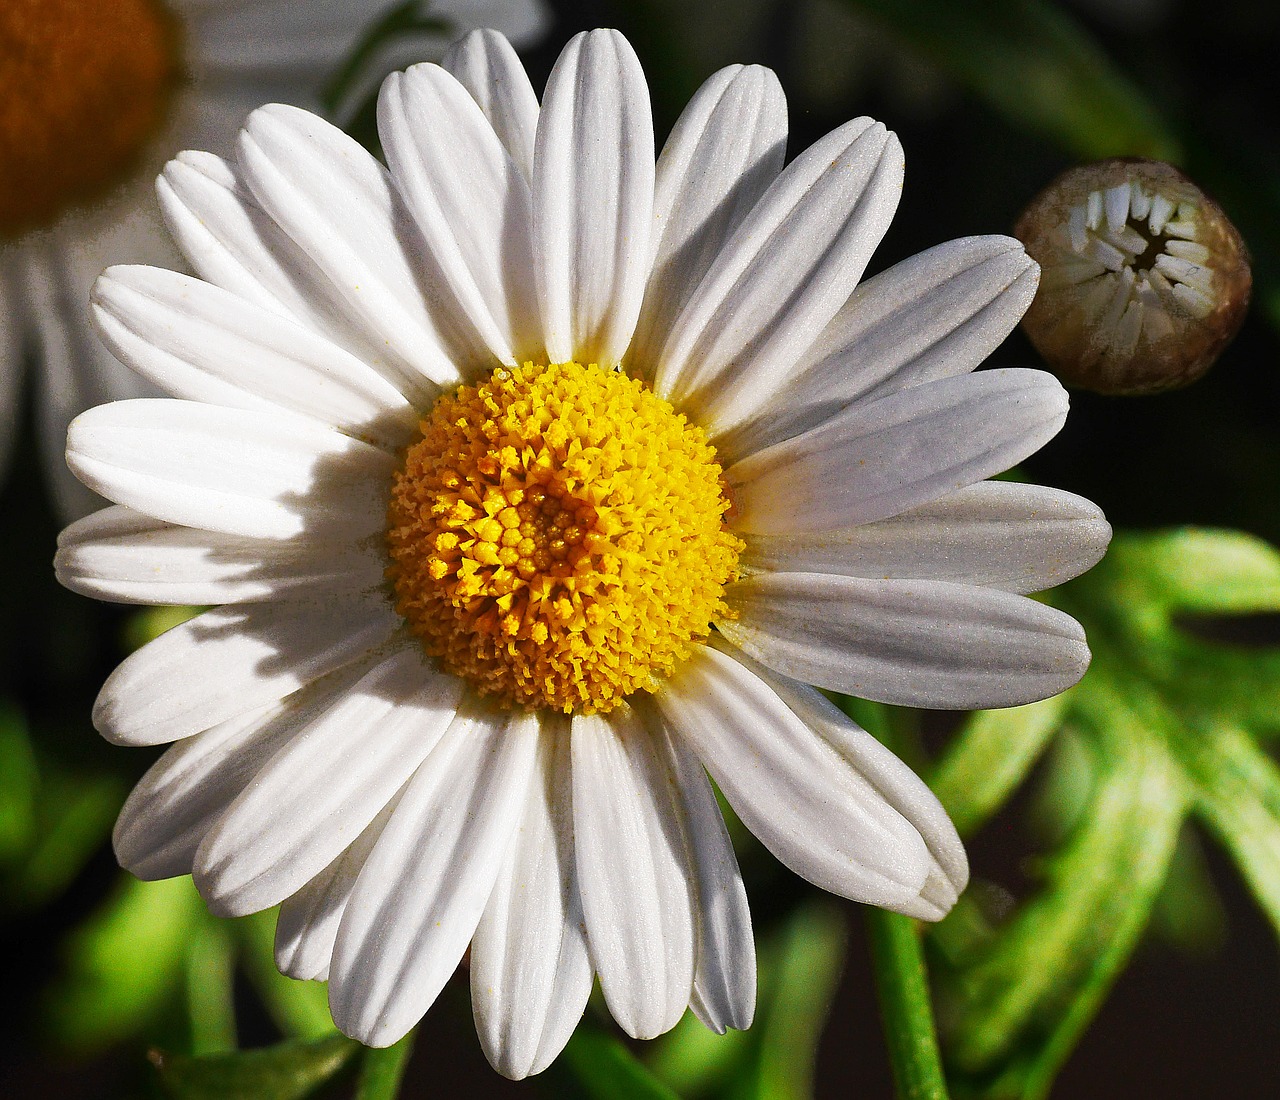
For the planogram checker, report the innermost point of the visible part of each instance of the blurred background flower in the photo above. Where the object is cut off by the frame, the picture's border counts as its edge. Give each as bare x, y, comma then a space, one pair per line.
96, 97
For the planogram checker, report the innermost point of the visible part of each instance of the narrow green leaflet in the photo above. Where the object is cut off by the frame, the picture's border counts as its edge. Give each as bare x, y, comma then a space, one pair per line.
605, 1069
799, 968
1164, 729
1019, 1002
287, 1071
993, 755
1032, 63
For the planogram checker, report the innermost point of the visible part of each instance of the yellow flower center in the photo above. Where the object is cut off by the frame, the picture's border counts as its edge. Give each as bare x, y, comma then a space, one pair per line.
557, 536
83, 85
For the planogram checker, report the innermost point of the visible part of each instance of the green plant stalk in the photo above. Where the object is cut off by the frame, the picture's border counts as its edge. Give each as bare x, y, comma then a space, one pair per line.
905, 1006
381, 1070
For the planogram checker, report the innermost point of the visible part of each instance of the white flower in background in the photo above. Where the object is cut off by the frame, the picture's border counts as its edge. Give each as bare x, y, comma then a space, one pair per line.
94, 98
534, 482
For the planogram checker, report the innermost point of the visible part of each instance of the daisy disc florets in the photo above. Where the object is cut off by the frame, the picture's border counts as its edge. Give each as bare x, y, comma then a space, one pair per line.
536, 478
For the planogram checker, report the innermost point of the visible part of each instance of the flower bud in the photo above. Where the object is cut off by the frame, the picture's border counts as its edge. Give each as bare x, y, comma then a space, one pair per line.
1144, 279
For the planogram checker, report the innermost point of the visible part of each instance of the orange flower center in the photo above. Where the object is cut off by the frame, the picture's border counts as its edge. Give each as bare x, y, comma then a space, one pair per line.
84, 84
558, 536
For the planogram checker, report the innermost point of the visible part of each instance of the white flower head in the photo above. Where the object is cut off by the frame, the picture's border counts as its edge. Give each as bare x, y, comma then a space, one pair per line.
536, 483
96, 97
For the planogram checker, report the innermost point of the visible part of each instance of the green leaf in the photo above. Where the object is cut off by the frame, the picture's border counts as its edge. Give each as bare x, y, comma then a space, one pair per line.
288, 1071
990, 757
1020, 1004
803, 966
606, 1070
906, 1006
19, 783
1032, 63
124, 964
1238, 797
1165, 728
210, 966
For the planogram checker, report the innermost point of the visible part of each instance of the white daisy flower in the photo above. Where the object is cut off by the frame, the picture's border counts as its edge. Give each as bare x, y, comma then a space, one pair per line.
94, 99
536, 483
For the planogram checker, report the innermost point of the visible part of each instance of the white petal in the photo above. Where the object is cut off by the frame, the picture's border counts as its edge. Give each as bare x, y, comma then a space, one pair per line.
424, 886
339, 205
229, 661
168, 813
233, 243
120, 555
936, 315
315, 796
239, 471
175, 804
309, 920
724, 982
200, 342
74, 371
784, 274
725, 150
593, 176
471, 204
878, 459
1021, 538
913, 643
897, 784
487, 66
530, 972
794, 789
633, 871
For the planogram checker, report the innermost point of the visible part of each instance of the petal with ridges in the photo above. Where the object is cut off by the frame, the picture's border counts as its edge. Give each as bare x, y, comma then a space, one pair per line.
314, 797
486, 64
423, 888
783, 275
470, 202
724, 979
1020, 538
175, 804
124, 556
633, 871
340, 207
171, 808
881, 458
232, 660
725, 150
309, 920
238, 471
912, 643
234, 244
935, 315
791, 787
199, 342
530, 971
593, 176
898, 785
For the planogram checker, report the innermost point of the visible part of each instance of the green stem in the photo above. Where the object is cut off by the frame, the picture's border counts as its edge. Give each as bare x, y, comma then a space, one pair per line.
905, 1006
381, 1070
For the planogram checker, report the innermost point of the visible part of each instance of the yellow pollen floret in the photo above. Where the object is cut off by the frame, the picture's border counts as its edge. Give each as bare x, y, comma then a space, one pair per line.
557, 536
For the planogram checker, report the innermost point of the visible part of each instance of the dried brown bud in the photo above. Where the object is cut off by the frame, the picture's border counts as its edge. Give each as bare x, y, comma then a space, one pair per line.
1144, 280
